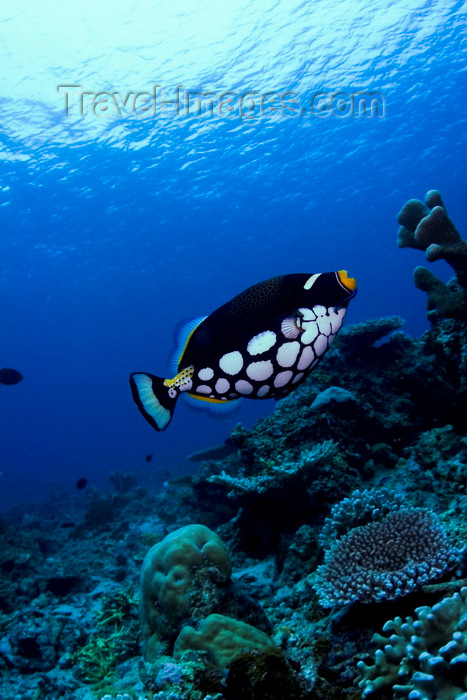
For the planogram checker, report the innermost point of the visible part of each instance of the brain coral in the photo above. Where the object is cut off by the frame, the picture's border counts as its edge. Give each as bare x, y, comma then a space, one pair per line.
385, 559
167, 575
421, 659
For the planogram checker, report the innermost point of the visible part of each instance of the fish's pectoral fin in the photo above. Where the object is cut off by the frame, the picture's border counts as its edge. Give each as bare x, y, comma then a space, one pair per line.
155, 400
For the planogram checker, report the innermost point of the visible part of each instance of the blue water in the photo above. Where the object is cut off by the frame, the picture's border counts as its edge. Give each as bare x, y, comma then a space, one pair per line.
114, 228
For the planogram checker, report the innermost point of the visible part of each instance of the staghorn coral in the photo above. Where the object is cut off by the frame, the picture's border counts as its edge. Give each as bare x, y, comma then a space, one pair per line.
426, 226
385, 559
422, 658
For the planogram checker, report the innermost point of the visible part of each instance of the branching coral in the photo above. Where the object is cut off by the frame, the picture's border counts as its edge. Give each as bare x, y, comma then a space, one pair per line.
426, 226
360, 508
424, 658
385, 559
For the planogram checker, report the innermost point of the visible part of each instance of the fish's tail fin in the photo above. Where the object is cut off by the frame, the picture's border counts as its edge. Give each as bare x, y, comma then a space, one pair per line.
155, 400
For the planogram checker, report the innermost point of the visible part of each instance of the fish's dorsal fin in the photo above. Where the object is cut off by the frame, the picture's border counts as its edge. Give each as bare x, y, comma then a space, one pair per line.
183, 333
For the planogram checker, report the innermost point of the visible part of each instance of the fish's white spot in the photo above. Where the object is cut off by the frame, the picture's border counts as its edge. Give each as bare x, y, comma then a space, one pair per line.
298, 377
231, 362
260, 371
263, 390
287, 353
206, 374
282, 378
290, 328
243, 387
222, 385
203, 389
336, 319
187, 385
310, 331
306, 358
311, 280
321, 345
320, 310
324, 325
261, 343
307, 314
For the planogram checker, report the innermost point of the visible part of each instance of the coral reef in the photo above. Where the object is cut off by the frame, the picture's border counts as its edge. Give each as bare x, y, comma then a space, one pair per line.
421, 658
426, 226
345, 474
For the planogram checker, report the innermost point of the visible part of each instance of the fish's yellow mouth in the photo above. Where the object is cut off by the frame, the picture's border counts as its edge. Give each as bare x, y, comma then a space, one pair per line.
349, 283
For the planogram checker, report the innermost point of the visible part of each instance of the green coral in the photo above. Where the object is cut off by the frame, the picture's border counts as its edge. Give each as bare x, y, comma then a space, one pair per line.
222, 637
118, 607
95, 662
115, 640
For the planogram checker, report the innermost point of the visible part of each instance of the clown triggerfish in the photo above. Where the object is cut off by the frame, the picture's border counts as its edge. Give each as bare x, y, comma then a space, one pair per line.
262, 344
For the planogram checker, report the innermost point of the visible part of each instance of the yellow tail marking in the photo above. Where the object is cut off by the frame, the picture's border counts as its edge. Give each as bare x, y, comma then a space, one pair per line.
181, 377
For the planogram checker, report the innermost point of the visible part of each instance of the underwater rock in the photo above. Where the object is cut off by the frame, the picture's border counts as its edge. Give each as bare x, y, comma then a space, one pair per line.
62, 586
427, 227
262, 675
300, 558
100, 513
123, 481
363, 335
33, 643
333, 394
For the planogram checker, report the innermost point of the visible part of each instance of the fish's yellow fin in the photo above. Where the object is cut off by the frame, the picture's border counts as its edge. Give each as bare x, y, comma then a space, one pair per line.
215, 407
